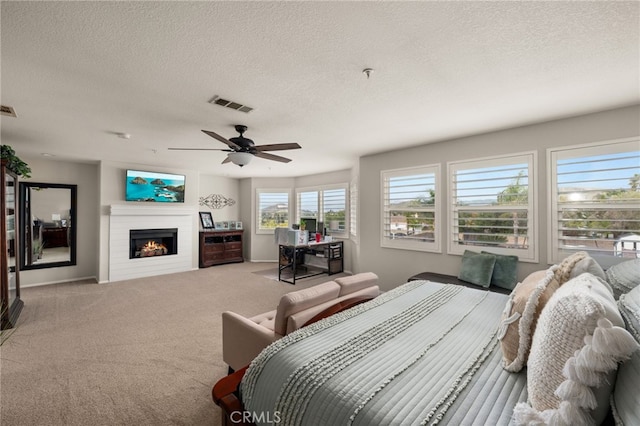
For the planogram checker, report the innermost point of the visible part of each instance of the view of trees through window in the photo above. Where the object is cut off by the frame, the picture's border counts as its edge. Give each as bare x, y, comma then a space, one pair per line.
327, 206
491, 205
409, 211
598, 203
273, 209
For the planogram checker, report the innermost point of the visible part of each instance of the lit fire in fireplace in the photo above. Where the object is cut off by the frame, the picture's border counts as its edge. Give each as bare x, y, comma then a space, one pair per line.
151, 248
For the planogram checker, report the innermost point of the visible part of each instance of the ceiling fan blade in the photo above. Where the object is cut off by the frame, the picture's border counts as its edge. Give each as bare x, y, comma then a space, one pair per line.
276, 147
221, 139
200, 149
268, 156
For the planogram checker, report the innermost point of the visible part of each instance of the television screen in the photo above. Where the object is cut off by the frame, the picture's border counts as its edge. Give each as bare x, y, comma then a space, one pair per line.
151, 186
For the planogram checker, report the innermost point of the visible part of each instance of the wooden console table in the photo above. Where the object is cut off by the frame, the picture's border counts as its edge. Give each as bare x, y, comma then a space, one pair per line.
218, 247
310, 260
55, 237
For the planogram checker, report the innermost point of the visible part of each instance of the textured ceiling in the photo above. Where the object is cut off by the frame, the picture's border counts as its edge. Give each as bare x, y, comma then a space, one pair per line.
77, 73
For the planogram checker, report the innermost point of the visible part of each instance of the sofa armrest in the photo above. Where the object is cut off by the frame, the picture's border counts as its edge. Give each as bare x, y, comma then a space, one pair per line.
243, 339
301, 318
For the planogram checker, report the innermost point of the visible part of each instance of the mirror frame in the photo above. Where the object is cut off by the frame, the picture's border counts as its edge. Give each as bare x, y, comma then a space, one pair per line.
25, 220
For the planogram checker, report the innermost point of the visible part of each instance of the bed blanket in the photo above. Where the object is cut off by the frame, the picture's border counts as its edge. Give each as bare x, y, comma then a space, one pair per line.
423, 353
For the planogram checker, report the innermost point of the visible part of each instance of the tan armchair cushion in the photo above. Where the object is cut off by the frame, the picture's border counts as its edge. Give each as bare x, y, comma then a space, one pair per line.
243, 339
299, 319
300, 300
357, 282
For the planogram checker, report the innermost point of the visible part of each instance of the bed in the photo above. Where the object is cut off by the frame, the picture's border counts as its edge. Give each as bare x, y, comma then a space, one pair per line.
389, 361
433, 353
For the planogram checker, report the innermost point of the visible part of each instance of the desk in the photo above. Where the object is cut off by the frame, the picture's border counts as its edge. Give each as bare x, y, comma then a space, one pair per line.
310, 260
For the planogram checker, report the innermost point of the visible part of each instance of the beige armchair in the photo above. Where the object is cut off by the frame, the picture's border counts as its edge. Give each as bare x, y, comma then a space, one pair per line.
244, 338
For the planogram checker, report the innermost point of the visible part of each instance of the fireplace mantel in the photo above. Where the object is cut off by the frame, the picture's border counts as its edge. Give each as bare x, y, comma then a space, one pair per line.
153, 210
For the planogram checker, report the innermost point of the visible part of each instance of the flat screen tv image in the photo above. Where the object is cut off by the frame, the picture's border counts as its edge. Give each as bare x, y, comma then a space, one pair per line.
154, 187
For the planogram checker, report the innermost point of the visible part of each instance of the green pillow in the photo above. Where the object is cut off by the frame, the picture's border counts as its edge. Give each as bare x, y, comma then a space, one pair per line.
477, 268
505, 271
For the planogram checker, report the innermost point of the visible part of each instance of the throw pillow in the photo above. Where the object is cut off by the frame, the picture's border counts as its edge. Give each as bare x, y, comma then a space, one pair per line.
520, 317
625, 402
574, 354
563, 273
505, 271
629, 305
477, 268
624, 276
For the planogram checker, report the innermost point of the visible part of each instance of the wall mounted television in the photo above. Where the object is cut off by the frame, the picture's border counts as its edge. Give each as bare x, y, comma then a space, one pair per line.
154, 187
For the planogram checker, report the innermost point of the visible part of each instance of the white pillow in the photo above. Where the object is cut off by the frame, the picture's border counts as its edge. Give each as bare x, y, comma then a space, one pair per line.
625, 402
576, 346
624, 276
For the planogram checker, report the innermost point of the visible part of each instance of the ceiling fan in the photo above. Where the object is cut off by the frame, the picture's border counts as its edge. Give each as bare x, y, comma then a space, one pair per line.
241, 150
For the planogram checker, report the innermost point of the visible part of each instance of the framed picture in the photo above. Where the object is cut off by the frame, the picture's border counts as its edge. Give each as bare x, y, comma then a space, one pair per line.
207, 220
238, 225
220, 225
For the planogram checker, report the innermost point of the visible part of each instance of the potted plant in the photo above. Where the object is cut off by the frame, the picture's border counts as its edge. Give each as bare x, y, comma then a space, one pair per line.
37, 247
303, 225
14, 163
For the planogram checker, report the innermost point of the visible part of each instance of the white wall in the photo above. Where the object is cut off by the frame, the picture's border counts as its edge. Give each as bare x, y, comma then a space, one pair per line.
85, 176
395, 266
228, 188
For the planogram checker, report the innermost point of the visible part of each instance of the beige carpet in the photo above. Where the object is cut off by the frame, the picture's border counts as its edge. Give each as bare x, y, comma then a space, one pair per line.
137, 352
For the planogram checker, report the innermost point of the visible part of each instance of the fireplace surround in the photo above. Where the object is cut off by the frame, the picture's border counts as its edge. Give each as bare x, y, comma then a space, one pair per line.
124, 218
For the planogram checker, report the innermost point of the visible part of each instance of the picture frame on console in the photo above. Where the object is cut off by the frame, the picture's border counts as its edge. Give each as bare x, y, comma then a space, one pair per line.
207, 220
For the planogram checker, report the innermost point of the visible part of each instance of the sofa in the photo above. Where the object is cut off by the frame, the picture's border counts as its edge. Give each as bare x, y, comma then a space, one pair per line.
244, 338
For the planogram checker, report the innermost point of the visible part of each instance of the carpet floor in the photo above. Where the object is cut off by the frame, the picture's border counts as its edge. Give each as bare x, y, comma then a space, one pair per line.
136, 352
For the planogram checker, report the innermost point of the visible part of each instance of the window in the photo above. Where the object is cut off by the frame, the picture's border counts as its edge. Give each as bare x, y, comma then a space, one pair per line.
327, 206
410, 215
595, 200
353, 210
273, 210
492, 203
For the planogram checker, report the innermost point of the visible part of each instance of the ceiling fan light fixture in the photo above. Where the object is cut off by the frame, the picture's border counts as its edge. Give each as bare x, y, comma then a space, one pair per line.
240, 158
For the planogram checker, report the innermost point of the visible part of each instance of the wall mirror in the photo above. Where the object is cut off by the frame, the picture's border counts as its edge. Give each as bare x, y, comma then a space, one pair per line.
48, 223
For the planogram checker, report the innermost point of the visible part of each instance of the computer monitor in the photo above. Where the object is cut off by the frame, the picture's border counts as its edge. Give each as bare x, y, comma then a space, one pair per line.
310, 224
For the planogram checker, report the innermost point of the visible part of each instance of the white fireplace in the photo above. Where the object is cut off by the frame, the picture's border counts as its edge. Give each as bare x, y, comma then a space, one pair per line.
124, 218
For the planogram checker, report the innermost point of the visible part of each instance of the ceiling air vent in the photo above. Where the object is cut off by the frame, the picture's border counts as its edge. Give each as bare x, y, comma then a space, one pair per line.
217, 100
7, 110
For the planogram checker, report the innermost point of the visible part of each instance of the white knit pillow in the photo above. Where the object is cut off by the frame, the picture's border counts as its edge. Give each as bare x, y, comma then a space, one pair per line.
579, 339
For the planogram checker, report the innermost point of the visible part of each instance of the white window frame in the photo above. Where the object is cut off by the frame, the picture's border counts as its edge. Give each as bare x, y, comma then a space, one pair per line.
321, 218
554, 252
530, 254
259, 192
410, 244
353, 210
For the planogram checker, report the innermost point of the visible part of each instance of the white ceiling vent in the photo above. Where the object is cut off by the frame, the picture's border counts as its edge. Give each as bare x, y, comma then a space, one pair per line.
7, 110
217, 100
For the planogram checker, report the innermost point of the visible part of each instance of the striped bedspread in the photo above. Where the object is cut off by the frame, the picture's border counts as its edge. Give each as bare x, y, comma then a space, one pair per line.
423, 353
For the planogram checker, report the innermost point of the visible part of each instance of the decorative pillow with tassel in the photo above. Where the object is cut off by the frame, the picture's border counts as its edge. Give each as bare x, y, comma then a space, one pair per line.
578, 343
520, 315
